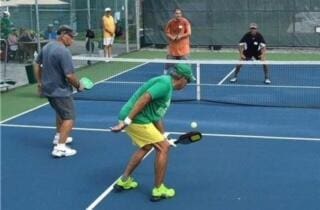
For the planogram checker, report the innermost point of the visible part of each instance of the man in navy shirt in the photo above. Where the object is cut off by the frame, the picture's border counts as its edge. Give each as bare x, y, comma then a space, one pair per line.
252, 45
55, 74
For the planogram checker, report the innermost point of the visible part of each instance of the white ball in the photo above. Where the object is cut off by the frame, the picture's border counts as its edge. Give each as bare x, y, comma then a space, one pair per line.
194, 125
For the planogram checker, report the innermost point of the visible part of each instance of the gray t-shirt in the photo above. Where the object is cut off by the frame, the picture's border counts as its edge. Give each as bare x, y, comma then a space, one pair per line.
56, 61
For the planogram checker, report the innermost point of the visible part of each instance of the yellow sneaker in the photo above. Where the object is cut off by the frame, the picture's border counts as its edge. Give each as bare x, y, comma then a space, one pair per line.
125, 185
162, 192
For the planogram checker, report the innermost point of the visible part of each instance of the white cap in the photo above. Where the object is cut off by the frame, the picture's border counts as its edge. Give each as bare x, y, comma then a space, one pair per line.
108, 9
253, 25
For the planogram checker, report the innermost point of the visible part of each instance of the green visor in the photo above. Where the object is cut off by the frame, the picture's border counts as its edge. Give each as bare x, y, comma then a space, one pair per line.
185, 70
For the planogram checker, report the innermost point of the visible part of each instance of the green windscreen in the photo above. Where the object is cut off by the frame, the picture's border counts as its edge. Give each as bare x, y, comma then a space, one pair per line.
223, 22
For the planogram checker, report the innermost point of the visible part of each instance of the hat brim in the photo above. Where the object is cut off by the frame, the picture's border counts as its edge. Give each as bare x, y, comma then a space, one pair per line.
75, 34
191, 79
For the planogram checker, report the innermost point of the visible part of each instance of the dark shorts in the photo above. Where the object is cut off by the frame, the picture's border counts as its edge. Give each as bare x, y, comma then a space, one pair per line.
64, 107
255, 55
171, 57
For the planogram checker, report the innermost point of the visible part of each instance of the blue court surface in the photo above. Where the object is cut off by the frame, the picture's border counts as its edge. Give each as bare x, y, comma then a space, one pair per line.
251, 157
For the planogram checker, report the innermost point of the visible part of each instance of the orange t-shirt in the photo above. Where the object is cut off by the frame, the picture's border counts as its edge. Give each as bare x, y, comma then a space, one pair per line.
180, 26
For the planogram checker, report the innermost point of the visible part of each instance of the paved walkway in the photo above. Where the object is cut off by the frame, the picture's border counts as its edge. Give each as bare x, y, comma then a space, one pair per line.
16, 71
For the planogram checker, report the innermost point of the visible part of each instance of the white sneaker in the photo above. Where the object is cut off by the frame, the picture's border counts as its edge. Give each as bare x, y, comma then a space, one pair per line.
233, 79
56, 140
60, 151
267, 81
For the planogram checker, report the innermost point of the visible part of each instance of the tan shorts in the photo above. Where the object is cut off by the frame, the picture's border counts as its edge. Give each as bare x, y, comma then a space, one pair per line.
144, 134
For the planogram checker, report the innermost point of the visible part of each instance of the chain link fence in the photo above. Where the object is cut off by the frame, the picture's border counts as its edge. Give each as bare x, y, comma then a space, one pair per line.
285, 23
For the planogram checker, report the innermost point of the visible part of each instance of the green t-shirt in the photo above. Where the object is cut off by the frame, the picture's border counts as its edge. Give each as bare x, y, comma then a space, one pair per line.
160, 88
5, 27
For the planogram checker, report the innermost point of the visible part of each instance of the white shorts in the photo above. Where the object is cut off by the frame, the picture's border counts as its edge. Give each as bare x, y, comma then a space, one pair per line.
108, 41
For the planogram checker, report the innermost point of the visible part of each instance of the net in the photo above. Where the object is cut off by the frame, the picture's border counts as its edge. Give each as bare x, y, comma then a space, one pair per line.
294, 84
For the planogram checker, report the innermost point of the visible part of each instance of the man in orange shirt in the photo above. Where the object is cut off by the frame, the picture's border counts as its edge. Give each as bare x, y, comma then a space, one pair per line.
178, 32
109, 28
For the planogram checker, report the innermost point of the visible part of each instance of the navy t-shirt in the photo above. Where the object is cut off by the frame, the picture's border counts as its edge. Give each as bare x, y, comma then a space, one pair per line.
56, 61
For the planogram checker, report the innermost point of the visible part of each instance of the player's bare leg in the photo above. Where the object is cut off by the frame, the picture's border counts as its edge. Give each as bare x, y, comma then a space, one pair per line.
266, 74
126, 182
236, 72
136, 160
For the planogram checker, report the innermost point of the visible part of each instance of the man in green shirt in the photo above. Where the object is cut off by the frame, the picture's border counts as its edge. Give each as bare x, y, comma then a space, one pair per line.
141, 117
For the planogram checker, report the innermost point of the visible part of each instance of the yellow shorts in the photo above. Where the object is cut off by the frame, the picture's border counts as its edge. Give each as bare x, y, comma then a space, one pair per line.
144, 134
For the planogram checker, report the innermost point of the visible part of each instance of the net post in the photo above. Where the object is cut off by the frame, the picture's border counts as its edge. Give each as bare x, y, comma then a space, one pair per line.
138, 23
126, 25
198, 87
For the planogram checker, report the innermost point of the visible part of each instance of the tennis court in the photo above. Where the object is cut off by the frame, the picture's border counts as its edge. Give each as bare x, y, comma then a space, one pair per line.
260, 148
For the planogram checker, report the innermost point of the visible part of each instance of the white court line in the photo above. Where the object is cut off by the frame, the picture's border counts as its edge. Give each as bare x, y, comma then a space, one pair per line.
227, 76
123, 82
276, 86
25, 112
109, 189
102, 195
225, 62
122, 72
38, 107
53, 127
295, 138
261, 137
227, 85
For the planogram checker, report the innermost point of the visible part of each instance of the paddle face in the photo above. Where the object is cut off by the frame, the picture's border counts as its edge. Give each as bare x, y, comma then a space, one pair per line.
190, 137
86, 82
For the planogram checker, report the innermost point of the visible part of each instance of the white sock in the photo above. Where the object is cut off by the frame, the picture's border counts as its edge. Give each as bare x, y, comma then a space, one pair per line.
61, 146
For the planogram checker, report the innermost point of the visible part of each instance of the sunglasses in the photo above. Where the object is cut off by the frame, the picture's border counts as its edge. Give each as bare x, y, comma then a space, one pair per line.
188, 79
69, 34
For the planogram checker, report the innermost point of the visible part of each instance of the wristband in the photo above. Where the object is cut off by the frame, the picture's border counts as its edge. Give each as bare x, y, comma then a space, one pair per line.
127, 121
166, 134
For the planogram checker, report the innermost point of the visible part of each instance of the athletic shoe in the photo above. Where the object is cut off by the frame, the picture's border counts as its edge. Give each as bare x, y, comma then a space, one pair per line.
162, 192
267, 81
56, 139
233, 79
129, 184
63, 151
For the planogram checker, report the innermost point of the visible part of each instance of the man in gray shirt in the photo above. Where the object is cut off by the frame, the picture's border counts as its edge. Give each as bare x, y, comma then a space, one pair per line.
56, 76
